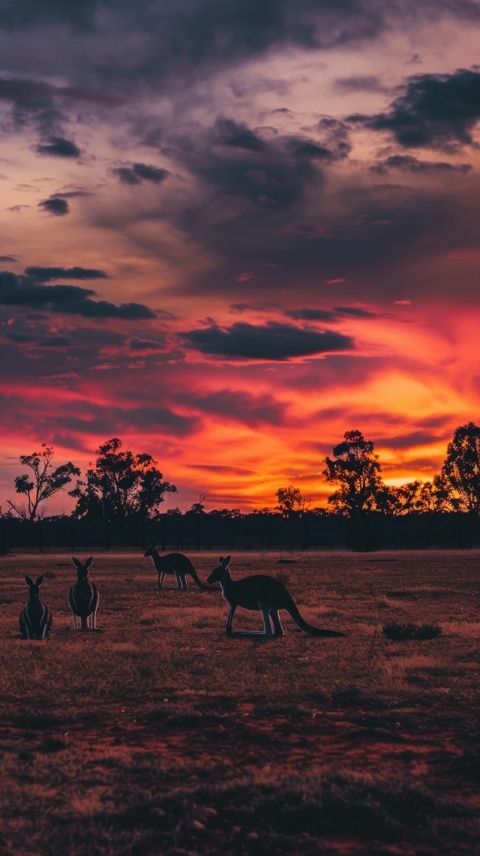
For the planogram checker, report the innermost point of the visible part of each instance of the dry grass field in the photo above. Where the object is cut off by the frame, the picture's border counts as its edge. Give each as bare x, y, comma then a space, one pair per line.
162, 736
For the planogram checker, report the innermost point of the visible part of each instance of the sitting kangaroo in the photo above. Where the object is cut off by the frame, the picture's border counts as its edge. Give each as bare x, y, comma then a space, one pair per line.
263, 594
83, 596
174, 563
35, 618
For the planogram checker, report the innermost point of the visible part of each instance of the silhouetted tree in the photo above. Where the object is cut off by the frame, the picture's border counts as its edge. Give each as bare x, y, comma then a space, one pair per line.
413, 497
290, 501
461, 468
356, 469
121, 484
41, 483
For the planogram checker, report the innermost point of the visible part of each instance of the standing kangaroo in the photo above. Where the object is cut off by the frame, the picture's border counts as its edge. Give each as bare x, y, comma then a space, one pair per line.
174, 563
263, 594
83, 596
35, 618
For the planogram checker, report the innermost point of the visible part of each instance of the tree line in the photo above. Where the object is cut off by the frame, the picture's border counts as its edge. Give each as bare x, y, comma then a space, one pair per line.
123, 492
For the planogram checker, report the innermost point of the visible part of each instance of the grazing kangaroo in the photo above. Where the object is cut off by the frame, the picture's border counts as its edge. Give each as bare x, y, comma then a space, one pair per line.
83, 596
174, 563
35, 618
263, 594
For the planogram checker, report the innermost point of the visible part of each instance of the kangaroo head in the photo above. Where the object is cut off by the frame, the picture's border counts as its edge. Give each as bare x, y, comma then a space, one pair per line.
150, 551
221, 571
82, 567
34, 587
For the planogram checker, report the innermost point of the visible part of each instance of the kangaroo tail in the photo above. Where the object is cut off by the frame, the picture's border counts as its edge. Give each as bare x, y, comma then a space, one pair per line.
196, 579
292, 609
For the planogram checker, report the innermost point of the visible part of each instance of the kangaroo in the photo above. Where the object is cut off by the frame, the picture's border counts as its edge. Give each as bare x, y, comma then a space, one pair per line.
35, 618
174, 563
263, 594
83, 596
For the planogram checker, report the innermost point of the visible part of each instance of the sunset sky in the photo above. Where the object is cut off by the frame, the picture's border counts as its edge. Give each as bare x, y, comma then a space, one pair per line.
233, 230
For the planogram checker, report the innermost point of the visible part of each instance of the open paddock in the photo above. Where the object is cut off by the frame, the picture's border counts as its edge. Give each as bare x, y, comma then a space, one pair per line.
162, 735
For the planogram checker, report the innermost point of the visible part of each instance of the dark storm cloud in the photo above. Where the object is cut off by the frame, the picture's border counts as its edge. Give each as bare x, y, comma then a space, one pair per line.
408, 163
196, 36
338, 313
238, 136
47, 273
58, 147
302, 245
138, 172
271, 172
45, 106
33, 95
237, 406
31, 13
55, 205
68, 299
272, 341
437, 111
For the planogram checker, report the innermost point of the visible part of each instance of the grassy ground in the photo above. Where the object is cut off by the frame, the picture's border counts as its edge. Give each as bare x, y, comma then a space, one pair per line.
160, 735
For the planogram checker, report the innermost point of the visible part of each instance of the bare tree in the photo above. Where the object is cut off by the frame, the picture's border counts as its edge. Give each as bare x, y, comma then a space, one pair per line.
41, 483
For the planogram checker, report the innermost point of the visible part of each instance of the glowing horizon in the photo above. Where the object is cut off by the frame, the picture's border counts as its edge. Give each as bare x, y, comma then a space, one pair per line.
228, 238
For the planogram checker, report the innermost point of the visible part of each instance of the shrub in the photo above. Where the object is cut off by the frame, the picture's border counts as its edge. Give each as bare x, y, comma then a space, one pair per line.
402, 632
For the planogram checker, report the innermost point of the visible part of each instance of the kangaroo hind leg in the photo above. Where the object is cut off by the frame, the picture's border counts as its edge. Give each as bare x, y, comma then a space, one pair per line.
277, 624
231, 613
266, 621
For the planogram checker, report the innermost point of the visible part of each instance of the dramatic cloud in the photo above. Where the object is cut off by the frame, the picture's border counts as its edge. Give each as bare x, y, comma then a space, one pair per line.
68, 299
271, 172
437, 111
336, 314
408, 163
47, 273
58, 147
138, 172
55, 205
273, 341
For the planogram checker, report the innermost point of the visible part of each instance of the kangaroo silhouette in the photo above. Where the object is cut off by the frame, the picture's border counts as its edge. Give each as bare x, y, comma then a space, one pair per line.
35, 618
263, 594
177, 564
83, 596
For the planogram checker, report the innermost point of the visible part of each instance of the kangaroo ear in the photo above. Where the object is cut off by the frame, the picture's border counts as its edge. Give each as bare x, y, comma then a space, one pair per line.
220, 561
29, 581
226, 561
89, 561
76, 562
40, 580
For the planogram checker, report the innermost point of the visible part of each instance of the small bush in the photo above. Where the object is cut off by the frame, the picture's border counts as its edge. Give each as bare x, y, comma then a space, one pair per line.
402, 632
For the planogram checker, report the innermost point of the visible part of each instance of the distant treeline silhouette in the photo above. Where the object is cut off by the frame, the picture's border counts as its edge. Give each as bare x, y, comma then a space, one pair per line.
119, 504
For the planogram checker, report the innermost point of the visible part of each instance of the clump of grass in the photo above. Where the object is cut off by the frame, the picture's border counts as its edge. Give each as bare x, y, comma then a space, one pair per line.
404, 632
